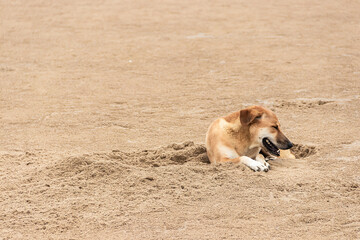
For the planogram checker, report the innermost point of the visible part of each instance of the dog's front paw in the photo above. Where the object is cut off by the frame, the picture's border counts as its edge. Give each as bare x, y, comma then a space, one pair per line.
258, 166
262, 160
267, 165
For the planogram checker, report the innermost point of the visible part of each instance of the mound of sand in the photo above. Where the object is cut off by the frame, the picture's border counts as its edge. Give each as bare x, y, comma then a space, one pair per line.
126, 191
117, 163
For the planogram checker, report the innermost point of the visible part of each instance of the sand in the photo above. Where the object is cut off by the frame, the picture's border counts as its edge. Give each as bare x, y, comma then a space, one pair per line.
105, 105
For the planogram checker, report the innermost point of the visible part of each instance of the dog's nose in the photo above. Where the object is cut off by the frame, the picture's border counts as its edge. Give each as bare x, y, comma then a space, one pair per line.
290, 145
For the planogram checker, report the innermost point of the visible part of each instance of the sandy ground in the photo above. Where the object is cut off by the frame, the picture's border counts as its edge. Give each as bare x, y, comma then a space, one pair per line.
104, 107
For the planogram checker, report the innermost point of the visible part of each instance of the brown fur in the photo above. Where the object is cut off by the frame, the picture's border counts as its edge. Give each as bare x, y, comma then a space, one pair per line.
238, 134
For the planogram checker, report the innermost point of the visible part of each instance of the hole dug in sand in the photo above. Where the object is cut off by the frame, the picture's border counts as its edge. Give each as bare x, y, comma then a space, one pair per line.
178, 154
303, 151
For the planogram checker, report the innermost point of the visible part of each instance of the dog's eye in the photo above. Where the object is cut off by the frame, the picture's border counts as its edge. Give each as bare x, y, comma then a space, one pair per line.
276, 127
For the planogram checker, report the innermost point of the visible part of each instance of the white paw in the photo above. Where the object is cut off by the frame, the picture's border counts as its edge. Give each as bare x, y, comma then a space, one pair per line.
258, 166
259, 158
267, 165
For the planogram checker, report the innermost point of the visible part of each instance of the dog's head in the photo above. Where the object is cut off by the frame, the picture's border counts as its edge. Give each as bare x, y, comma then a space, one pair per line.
264, 129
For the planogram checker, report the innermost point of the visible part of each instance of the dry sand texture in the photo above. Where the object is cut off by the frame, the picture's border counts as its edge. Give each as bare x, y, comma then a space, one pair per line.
105, 104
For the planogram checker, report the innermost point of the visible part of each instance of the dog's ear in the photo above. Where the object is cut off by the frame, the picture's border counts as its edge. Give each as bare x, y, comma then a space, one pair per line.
249, 115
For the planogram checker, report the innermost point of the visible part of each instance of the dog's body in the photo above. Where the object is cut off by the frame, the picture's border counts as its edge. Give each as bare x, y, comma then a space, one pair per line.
240, 136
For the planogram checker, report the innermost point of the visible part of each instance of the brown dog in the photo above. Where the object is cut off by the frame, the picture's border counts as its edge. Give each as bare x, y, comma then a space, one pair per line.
240, 136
